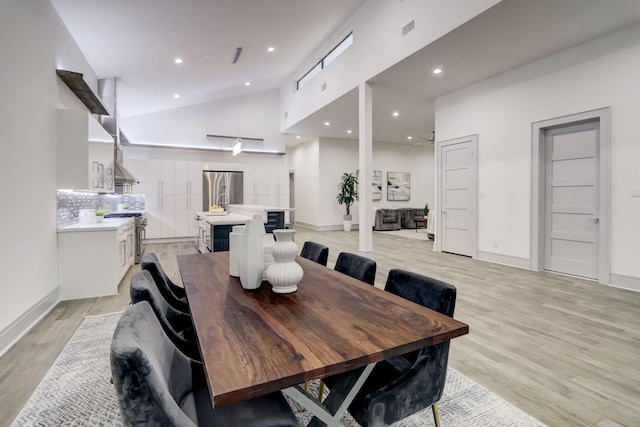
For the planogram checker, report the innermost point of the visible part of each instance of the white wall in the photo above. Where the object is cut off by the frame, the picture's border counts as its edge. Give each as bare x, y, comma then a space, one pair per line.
251, 116
376, 24
304, 162
33, 43
316, 184
501, 110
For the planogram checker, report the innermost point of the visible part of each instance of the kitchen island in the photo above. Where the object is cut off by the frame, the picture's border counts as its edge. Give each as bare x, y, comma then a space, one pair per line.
214, 227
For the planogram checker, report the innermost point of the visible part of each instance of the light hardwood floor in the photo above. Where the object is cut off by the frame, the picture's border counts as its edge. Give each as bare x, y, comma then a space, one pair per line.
565, 350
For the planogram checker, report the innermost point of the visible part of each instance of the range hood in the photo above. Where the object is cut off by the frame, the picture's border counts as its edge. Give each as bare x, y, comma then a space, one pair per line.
108, 91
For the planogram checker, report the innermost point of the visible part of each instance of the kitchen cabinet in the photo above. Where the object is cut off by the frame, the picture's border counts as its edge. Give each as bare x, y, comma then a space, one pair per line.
92, 263
188, 190
84, 152
173, 194
266, 185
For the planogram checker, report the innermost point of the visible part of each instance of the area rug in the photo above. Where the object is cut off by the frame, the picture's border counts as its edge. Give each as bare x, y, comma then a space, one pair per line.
77, 392
410, 233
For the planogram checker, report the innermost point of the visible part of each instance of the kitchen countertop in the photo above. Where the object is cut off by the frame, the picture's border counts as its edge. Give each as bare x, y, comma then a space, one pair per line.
229, 219
108, 224
260, 208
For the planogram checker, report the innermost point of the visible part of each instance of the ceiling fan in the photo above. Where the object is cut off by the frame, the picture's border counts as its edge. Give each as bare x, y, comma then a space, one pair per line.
430, 140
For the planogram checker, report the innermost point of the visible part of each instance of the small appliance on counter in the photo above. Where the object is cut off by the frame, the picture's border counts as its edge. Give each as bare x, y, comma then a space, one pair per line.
87, 216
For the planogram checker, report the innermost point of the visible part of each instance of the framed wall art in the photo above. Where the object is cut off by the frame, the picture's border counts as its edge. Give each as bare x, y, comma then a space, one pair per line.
398, 186
376, 184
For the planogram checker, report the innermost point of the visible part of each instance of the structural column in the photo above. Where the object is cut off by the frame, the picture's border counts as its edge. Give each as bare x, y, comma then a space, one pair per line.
365, 165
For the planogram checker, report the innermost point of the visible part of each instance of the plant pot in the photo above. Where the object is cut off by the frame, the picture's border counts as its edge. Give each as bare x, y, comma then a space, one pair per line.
99, 218
346, 222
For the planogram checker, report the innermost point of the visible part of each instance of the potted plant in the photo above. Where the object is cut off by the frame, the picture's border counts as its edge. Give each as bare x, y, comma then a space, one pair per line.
347, 195
100, 214
426, 210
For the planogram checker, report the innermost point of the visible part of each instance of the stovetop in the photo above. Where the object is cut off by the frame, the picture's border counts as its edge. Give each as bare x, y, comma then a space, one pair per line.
123, 214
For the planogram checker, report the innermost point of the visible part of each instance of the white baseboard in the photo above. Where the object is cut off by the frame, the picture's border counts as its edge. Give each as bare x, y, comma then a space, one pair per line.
625, 282
323, 227
511, 261
19, 327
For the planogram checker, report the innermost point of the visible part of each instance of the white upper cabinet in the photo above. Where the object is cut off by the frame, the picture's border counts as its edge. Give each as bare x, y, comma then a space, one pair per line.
85, 152
266, 185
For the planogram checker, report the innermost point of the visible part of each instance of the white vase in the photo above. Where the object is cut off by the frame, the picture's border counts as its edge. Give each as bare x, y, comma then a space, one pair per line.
235, 249
285, 273
267, 242
251, 258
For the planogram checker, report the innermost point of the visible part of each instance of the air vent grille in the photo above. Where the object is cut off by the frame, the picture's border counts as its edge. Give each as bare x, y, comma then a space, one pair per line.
408, 28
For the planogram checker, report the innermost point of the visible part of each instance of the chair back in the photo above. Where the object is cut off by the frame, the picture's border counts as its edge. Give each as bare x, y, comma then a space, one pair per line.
175, 295
177, 325
315, 252
149, 373
356, 266
431, 293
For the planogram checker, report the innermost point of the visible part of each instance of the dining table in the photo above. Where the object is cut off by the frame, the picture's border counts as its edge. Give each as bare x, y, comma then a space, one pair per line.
255, 342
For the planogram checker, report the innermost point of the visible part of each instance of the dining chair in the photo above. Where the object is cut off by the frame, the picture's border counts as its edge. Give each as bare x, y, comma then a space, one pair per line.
356, 266
316, 252
401, 386
157, 385
177, 325
174, 294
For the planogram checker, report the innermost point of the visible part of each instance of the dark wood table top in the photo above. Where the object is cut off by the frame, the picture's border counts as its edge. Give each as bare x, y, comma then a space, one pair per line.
256, 342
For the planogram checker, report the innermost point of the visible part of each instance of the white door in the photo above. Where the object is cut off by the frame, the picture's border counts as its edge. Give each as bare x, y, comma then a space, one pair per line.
457, 196
572, 199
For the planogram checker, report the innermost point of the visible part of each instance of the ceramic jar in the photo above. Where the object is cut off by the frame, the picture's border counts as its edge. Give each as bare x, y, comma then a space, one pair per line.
235, 249
251, 257
285, 273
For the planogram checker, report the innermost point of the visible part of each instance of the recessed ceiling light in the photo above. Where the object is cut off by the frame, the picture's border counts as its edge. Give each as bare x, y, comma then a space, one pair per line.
327, 123
437, 70
395, 114
271, 49
176, 95
349, 131
297, 136
178, 60
409, 137
247, 83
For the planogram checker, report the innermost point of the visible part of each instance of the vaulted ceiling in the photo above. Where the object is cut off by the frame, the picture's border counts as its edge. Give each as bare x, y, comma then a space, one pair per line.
138, 41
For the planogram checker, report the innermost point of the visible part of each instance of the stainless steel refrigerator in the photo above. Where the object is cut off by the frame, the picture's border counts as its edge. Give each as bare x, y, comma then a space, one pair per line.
221, 188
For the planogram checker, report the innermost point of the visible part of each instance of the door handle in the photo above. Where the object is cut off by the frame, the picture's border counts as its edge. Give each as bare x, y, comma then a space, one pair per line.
596, 220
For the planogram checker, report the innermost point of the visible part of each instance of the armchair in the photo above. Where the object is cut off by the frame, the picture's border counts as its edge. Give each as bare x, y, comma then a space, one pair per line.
386, 220
408, 216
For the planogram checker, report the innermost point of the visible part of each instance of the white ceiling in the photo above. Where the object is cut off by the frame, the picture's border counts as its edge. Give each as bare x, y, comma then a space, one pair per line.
138, 41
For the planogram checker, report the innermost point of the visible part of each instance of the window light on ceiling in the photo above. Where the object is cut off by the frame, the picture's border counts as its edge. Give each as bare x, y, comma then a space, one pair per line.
326, 60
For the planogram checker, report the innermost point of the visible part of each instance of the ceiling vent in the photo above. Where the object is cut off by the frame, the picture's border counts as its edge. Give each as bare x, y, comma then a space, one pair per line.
408, 28
236, 55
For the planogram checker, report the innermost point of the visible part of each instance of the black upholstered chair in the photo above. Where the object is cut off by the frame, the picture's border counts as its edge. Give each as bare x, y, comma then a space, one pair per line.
157, 385
315, 252
356, 266
401, 386
177, 325
174, 294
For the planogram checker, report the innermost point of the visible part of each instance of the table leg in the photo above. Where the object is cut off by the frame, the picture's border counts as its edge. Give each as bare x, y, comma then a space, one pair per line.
325, 414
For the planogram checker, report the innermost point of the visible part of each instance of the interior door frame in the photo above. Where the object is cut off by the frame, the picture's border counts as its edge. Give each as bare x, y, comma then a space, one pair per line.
538, 186
473, 140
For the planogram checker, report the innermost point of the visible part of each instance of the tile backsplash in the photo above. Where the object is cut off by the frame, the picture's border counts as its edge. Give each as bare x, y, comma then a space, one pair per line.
70, 202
